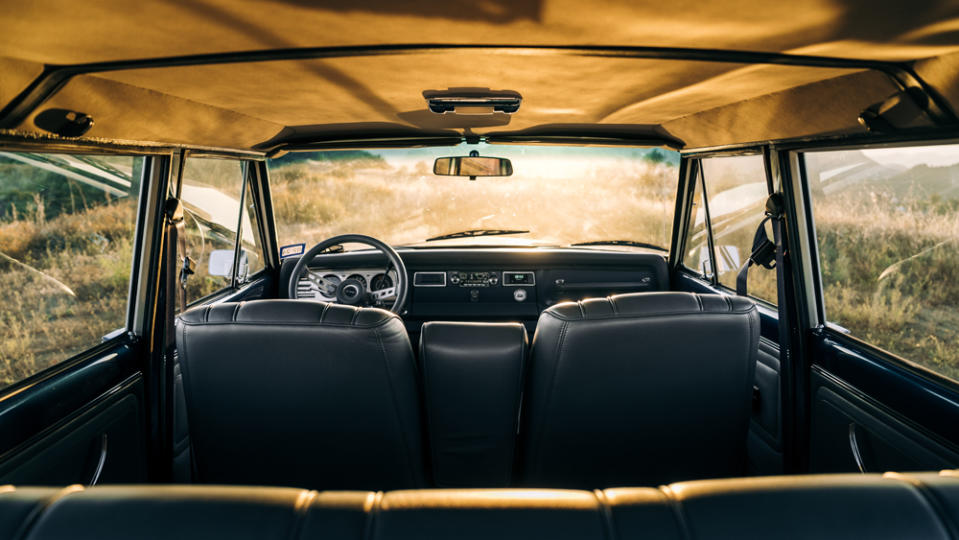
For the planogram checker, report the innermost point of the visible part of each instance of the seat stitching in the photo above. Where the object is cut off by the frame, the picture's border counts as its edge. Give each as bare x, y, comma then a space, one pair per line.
699, 300
560, 343
612, 305
356, 312
290, 323
932, 500
37, 513
236, 310
677, 507
729, 303
607, 514
654, 315
396, 407
301, 511
326, 307
371, 514
582, 310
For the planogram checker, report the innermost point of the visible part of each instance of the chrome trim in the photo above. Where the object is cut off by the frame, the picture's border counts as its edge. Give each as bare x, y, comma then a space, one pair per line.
102, 461
432, 274
530, 284
854, 447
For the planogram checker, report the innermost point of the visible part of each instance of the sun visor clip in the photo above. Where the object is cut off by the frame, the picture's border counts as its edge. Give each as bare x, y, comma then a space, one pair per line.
903, 110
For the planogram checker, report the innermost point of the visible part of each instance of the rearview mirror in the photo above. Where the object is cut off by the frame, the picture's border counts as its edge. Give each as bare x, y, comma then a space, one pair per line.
472, 166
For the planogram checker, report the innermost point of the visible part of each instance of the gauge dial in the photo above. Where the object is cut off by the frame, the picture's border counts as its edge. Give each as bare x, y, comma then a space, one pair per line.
359, 278
381, 281
333, 282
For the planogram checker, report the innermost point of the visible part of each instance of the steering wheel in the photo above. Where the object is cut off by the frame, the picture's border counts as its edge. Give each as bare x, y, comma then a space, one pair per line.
351, 292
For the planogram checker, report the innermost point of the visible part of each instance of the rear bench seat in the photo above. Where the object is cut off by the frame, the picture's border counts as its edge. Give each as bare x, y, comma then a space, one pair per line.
830, 506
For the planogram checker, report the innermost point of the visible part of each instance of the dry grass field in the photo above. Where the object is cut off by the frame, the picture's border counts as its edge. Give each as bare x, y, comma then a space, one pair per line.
892, 270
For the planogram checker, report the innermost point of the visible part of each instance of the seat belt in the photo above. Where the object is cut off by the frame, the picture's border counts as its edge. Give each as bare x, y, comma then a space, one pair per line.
773, 254
764, 252
176, 241
176, 274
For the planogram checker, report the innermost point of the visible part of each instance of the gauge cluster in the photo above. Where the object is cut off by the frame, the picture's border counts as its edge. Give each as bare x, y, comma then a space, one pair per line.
368, 279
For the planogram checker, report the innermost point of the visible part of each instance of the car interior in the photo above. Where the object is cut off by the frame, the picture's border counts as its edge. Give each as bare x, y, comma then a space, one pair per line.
529, 268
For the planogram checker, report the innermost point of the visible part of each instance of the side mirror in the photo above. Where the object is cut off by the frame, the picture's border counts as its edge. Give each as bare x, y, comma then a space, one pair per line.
472, 166
221, 262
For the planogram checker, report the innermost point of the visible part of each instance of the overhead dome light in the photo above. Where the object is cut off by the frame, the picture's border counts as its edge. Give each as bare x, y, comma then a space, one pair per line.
472, 101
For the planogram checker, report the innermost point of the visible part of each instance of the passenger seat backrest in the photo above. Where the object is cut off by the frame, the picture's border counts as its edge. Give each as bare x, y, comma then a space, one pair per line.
640, 389
303, 394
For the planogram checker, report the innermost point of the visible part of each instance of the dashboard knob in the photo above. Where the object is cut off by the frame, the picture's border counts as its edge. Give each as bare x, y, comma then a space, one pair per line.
519, 295
493, 280
455, 278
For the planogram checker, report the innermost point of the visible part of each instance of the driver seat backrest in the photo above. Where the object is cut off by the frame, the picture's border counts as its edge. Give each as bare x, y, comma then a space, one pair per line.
302, 394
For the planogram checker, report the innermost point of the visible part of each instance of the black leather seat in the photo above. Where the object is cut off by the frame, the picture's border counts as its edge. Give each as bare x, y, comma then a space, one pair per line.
640, 389
473, 375
304, 394
828, 506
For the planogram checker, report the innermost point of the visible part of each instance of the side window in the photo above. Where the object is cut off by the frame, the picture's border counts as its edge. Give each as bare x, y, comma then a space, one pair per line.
66, 252
696, 257
211, 194
887, 227
736, 192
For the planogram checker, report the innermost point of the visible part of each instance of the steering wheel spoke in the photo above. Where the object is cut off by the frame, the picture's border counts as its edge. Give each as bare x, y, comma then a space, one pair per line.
383, 294
316, 279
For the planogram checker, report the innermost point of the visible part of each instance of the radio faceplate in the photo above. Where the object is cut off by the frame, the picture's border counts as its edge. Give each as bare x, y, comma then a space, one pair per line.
473, 279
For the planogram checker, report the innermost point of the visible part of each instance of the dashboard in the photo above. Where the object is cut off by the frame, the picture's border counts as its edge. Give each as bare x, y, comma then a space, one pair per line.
491, 284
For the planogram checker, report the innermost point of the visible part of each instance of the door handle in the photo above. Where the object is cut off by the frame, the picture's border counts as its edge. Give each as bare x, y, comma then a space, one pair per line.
101, 461
854, 447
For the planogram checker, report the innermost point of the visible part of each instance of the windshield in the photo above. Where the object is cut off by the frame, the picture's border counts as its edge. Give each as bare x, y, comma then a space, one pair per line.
617, 198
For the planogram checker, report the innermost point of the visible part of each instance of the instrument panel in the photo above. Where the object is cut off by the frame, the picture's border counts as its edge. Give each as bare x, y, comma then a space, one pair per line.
367, 279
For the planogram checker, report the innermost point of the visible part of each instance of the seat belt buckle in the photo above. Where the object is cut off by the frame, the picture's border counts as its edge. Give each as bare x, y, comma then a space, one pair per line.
764, 255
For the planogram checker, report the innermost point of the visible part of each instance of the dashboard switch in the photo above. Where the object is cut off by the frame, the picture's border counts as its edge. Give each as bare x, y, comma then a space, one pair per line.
519, 295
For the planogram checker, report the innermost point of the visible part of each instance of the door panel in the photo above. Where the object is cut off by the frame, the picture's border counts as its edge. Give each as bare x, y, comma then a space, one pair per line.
846, 422
902, 422
764, 445
60, 426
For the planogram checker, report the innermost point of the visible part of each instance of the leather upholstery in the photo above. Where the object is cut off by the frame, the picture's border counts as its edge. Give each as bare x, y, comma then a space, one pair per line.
828, 506
640, 389
473, 376
303, 394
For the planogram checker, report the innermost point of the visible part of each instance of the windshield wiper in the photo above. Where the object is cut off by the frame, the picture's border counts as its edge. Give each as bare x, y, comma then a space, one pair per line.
631, 243
476, 232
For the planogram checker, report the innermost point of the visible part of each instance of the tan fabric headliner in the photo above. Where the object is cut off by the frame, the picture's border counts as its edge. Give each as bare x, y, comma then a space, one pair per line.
239, 106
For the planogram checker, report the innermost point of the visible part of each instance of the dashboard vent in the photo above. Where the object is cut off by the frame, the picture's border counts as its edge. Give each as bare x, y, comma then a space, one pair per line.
304, 289
429, 279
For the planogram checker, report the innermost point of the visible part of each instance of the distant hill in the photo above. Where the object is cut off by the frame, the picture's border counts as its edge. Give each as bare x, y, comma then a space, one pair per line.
831, 172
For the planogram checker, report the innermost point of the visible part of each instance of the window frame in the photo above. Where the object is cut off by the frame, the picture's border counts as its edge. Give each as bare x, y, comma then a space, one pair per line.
139, 291
697, 174
251, 180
